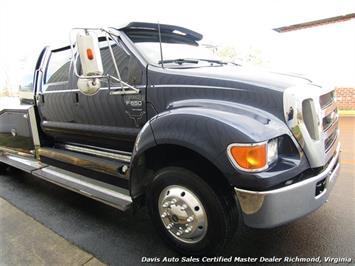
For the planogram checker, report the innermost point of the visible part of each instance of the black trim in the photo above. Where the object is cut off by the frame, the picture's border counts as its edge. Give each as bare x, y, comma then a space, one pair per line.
100, 130
163, 28
61, 49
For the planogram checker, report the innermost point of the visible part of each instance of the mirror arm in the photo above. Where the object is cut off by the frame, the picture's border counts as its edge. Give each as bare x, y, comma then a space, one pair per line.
124, 85
76, 56
114, 60
109, 84
134, 90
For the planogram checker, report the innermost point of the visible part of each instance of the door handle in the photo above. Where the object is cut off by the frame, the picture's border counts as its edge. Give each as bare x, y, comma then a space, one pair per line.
76, 97
40, 98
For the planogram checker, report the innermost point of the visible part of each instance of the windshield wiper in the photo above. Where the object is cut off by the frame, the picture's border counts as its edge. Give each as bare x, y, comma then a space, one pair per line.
179, 61
213, 61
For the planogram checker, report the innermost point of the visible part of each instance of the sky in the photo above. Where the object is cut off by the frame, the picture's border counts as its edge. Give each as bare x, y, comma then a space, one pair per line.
27, 26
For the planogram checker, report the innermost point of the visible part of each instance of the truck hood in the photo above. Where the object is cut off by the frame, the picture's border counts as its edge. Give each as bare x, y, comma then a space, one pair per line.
248, 75
250, 87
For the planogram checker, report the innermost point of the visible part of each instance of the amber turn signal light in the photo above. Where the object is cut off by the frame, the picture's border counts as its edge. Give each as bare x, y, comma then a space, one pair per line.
90, 54
249, 157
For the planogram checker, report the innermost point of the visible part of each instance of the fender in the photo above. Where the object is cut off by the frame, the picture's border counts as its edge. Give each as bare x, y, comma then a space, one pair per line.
209, 126
144, 141
206, 127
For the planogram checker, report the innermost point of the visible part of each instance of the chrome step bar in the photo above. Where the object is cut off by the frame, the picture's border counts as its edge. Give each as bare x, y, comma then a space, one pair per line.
124, 157
108, 194
111, 195
24, 163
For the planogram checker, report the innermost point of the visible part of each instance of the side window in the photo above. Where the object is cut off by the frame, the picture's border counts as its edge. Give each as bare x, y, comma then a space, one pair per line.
127, 64
122, 61
58, 66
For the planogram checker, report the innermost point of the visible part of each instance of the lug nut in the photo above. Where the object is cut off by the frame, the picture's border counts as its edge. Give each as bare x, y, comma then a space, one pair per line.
179, 233
166, 204
173, 201
169, 226
190, 219
164, 215
188, 229
184, 207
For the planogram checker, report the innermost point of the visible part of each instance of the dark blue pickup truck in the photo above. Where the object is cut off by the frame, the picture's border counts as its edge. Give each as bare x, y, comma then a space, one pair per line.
144, 115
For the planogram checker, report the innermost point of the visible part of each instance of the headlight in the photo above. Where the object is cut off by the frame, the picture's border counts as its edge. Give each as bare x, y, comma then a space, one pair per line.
272, 151
253, 157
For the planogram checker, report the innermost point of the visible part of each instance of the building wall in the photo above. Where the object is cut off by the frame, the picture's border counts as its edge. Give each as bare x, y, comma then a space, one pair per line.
346, 98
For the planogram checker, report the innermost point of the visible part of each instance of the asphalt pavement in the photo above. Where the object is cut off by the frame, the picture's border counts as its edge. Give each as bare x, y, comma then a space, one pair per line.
118, 238
24, 241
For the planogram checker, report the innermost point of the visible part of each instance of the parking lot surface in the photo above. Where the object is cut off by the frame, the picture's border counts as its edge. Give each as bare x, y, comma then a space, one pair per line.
118, 238
24, 241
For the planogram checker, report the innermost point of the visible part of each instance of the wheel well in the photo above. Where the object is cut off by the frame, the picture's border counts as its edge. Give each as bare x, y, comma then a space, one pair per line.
173, 155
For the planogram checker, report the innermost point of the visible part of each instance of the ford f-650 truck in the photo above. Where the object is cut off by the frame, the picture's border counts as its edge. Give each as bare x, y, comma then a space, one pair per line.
144, 115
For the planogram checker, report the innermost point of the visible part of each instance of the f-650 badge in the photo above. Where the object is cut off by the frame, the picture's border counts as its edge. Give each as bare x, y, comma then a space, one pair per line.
134, 103
134, 100
135, 107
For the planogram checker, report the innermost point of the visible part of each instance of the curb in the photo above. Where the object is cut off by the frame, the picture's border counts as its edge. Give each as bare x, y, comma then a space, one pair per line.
347, 112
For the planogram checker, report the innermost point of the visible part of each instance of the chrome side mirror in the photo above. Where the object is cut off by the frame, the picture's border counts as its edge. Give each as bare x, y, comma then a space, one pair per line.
87, 47
91, 62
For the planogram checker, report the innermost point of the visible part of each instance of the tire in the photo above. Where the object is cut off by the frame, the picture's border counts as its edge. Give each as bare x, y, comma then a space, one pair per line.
177, 194
3, 168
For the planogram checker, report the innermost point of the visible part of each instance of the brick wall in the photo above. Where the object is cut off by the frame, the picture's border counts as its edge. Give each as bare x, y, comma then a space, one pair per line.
346, 98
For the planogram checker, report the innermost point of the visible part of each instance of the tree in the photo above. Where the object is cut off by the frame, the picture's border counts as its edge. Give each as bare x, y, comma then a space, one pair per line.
6, 86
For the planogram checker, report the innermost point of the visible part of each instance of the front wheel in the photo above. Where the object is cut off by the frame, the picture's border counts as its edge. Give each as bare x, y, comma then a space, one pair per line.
188, 213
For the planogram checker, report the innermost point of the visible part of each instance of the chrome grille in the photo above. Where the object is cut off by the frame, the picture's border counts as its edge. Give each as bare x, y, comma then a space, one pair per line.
311, 114
329, 120
328, 142
326, 99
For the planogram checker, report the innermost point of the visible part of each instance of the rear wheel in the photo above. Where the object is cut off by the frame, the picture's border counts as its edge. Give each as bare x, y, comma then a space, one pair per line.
188, 213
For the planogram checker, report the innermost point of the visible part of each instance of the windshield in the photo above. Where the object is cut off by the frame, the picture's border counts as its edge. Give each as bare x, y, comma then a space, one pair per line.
173, 51
178, 50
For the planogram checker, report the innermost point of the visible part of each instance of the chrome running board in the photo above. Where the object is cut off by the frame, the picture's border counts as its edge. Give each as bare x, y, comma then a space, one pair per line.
24, 163
111, 195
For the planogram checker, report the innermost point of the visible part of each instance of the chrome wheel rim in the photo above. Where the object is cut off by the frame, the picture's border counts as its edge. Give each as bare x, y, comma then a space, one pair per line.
182, 214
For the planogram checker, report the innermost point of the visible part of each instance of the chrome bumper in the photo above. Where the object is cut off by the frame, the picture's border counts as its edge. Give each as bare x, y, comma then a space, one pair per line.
266, 209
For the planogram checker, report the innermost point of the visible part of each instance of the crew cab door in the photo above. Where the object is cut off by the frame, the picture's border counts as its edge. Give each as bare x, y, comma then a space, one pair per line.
113, 120
55, 99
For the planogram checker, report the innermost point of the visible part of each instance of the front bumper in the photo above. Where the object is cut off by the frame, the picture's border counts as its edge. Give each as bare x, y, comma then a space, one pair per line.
266, 209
